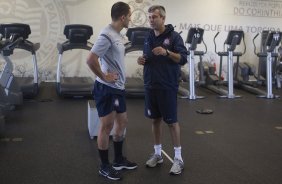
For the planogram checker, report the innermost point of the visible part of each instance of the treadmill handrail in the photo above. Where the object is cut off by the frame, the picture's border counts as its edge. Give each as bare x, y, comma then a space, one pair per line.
8, 46
130, 48
62, 47
28, 46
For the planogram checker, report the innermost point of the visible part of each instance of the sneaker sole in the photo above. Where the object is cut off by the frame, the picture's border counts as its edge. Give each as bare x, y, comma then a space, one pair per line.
106, 176
176, 173
173, 173
124, 167
158, 162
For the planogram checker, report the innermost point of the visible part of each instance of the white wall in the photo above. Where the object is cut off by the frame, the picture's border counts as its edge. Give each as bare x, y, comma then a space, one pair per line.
47, 19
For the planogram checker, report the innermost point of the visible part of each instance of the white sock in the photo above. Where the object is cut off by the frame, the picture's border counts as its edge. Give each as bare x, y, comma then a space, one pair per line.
158, 149
177, 153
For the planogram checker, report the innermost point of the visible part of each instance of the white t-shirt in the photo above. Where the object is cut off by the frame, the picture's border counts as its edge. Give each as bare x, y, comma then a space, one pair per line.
110, 48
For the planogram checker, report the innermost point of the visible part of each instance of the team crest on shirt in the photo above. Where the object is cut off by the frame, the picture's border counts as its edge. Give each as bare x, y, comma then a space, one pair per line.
166, 42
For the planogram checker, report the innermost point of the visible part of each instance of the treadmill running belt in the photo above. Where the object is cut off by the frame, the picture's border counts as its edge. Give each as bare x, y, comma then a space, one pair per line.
76, 86
27, 85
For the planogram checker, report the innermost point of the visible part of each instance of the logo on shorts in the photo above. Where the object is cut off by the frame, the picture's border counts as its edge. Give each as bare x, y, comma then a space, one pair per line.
168, 119
149, 112
116, 102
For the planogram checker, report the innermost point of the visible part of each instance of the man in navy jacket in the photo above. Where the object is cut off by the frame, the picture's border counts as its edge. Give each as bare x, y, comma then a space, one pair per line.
163, 53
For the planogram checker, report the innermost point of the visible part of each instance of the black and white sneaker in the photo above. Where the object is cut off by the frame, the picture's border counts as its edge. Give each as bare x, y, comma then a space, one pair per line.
109, 172
124, 164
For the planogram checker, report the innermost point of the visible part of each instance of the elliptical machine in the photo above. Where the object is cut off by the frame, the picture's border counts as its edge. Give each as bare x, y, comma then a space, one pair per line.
272, 41
233, 39
194, 37
278, 73
244, 71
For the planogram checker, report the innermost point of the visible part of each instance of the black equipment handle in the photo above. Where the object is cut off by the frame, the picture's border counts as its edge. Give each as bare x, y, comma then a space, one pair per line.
215, 42
255, 48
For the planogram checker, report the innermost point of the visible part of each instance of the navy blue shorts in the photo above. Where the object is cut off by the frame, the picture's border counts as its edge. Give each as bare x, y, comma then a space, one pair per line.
108, 99
161, 103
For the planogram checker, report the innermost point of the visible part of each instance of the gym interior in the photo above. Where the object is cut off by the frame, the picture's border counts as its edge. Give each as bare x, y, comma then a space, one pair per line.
229, 92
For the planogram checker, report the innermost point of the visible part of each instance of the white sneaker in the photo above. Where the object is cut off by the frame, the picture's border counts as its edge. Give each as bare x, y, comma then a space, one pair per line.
177, 167
154, 160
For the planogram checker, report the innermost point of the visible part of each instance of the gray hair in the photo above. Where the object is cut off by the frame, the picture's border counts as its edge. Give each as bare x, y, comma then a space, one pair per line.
157, 7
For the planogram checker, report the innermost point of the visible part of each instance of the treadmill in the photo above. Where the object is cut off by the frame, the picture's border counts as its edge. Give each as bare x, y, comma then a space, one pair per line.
134, 86
78, 36
28, 85
10, 92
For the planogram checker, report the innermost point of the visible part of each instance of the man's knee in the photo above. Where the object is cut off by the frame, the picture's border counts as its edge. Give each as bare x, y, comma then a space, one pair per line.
118, 138
173, 125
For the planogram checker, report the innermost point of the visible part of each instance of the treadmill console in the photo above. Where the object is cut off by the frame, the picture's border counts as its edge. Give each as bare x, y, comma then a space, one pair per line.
15, 29
78, 33
137, 35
